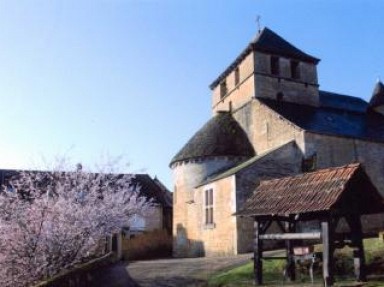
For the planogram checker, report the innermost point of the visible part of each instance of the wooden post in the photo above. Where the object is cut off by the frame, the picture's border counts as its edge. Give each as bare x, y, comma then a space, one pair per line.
109, 243
119, 251
291, 269
328, 248
257, 255
354, 223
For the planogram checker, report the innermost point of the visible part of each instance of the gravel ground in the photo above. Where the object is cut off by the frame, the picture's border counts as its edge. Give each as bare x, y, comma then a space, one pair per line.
165, 272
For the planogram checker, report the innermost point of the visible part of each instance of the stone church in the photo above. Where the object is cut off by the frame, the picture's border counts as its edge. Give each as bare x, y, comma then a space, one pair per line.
269, 120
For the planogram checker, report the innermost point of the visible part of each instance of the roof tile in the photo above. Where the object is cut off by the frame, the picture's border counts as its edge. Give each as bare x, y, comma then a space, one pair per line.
310, 192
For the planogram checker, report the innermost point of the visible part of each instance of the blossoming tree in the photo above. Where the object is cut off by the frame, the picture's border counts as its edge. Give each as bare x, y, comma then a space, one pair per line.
53, 220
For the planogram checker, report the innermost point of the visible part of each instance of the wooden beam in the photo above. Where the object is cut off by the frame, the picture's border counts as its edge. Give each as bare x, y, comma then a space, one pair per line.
258, 254
290, 269
281, 226
327, 238
291, 236
354, 223
264, 227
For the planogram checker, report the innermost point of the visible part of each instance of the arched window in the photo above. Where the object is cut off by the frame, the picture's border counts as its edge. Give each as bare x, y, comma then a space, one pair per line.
279, 96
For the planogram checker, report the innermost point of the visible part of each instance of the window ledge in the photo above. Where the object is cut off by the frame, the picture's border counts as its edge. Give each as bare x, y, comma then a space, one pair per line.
209, 226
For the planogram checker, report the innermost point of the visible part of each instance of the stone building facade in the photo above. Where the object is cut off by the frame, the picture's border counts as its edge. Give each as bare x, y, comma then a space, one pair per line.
269, 120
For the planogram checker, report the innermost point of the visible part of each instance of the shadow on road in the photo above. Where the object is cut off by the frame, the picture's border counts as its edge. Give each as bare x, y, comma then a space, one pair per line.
171, 282
113, 276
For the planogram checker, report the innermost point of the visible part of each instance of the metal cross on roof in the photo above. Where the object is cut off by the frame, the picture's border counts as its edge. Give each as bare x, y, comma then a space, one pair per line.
258, 18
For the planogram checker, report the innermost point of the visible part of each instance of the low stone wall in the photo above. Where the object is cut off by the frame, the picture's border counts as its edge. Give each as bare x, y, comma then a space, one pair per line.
79, 276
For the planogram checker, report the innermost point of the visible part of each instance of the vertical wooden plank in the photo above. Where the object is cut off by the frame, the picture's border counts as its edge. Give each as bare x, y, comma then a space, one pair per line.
327, 240
291, 269
257, 254
119, 252
354, 223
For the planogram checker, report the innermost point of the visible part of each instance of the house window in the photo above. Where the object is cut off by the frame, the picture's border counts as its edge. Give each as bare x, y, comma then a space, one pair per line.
209, 206
237, 76
275, 66
295, 70
223, 89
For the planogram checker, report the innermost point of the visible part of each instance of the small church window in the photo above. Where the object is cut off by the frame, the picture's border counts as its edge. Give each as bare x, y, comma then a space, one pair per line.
279, 96
309, 163
223, 89
209, 206
275, 66
237, 76
295, 70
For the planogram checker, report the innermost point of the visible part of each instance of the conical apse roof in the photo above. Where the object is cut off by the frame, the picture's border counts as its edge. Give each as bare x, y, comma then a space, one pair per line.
377, 96
220, 136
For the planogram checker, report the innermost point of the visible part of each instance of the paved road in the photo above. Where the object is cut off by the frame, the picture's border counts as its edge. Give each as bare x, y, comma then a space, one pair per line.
166, 272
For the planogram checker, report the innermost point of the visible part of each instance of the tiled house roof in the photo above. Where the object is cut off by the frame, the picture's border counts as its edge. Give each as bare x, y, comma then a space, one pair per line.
151, 188
220, 136
341, 188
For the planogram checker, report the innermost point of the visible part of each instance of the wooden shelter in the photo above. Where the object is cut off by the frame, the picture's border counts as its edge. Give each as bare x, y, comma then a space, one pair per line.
324, 197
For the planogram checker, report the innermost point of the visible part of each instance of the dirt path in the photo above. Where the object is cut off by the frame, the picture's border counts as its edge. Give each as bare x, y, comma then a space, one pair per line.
166, 272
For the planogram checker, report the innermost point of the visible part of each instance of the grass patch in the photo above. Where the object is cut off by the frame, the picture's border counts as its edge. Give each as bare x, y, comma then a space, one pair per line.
243, 275
273, 270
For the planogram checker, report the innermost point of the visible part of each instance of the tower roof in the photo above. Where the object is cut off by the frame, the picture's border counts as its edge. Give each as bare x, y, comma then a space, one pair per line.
220, 136
377, 96
268, 41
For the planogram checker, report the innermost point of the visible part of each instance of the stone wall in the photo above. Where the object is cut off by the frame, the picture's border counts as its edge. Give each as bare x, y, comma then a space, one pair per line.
237, 94
186, 176
80, 276
335, 151
303, 90
256, 80
155, 219
265, 128
283, 161
218, 238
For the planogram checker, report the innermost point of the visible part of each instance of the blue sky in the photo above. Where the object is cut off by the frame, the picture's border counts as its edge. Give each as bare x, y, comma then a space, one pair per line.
90, 78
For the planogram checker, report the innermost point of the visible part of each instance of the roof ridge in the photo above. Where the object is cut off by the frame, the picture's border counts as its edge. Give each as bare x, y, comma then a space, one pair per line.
377, 98
342, 95
233, 170
319, 171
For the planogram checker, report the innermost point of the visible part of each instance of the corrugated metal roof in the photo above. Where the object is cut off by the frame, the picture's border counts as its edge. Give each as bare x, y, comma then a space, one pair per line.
312, 192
